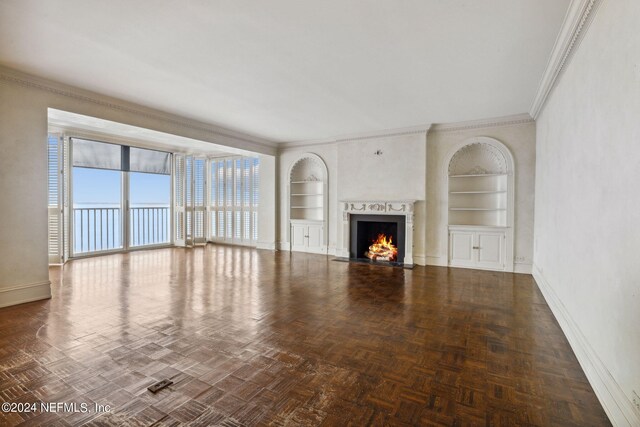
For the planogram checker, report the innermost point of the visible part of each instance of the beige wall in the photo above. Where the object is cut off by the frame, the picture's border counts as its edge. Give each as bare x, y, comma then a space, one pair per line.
399, 173
356, 173
23, 170
521, 141
587, 233
413, 167
24, 274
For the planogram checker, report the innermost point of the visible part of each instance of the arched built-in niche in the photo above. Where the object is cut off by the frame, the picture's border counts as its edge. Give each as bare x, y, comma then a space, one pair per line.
308, 204
480, 204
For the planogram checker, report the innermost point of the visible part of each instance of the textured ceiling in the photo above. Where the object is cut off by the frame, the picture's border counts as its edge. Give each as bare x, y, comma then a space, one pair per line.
290, 70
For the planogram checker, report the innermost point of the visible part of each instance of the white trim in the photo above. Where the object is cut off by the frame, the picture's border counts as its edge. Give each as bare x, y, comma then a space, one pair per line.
271, 246
20, 294
420, 259
511, 120
618, 407
522, 267
283, 246
387, 133
575, 25
209, 132
437, 260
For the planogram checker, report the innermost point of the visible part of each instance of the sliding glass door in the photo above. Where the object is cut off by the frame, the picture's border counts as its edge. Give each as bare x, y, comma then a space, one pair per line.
97, 210
121, 197
149, 196
97, 197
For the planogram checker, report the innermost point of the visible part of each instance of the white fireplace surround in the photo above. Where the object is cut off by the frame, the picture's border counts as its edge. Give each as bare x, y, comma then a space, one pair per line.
377, 207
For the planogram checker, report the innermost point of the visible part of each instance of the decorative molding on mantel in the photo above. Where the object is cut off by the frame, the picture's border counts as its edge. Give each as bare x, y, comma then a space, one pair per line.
616, 404
413, 130
368, 207
378, 207
517, 119
12, 76
576, 22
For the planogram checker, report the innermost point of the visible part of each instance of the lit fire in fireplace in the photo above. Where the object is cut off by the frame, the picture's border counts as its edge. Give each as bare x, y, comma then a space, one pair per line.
382, 249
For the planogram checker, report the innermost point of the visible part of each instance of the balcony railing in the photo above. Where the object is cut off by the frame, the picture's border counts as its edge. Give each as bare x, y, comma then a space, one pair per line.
149, 226
100, 229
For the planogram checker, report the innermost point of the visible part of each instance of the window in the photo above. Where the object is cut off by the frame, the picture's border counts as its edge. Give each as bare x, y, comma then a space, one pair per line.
233, 210
121, 197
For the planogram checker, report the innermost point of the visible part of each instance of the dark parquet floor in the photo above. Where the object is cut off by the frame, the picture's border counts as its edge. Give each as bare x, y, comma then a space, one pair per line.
260, 338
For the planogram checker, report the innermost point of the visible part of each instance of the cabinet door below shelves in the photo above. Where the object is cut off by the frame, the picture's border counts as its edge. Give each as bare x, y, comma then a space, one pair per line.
477, 249
298, 237
491, 250
460, 247
315, 237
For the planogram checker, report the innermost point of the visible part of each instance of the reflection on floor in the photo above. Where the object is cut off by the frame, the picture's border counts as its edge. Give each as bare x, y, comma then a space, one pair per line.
256, 337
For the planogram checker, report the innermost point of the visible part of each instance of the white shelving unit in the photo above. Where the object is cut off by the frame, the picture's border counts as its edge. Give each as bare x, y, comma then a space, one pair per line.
480, 208
478, 199
308, 204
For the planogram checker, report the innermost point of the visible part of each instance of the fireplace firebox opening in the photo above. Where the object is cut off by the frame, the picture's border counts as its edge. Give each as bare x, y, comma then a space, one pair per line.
379, 238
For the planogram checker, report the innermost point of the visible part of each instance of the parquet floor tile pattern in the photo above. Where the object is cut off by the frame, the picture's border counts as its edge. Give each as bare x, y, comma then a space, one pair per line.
255, 337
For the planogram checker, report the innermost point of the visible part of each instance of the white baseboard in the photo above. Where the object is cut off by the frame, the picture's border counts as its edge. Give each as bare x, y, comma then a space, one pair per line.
437, 261
283, 246
19, 294
331, 251
616, 404
342, 253
419, 259
271, 246
522, 267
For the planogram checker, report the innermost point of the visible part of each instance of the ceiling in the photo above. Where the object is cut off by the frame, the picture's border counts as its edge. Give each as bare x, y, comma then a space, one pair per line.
291, 70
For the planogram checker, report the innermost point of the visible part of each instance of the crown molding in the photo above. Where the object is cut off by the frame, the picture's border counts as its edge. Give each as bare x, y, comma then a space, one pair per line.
387, 133
214, 133
517, 119
576, 22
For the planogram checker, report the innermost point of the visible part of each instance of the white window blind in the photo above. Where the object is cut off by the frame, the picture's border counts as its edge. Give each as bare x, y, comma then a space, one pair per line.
149, 161
97, 155
179, 200
102, 155
54, 186
233, 200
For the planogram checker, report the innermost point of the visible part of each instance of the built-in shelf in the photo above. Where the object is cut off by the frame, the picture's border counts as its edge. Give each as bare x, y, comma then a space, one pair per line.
480, 205
477, 209
308, 203
477, 175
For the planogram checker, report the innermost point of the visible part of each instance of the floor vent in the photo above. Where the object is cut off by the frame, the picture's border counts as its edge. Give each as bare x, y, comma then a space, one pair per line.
159, 386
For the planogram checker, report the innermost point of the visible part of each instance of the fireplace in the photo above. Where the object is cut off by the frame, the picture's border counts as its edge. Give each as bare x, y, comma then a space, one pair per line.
379, 238
364, 220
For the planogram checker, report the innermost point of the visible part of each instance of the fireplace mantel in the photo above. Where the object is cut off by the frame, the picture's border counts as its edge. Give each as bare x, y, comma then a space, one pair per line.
378, 207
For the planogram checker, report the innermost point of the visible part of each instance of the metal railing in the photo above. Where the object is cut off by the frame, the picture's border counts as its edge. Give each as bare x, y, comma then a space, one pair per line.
96, 229
100, 229
149, 226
